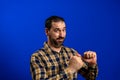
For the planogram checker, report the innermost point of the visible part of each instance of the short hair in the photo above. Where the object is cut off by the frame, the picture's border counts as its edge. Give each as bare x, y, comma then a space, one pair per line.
48, 22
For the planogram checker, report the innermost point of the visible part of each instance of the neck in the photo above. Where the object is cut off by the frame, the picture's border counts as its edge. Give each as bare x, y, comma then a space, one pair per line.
57, 49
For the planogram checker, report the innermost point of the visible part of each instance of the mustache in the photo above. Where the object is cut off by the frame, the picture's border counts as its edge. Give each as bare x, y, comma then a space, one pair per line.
60, 38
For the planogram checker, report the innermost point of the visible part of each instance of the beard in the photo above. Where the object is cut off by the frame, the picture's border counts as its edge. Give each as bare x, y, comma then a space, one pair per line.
58, 42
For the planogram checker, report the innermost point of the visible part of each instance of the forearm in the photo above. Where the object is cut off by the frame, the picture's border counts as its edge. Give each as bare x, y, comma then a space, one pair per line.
89, 72
93, 71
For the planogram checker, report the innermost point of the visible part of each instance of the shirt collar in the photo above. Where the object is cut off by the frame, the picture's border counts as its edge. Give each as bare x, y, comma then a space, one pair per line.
48, 49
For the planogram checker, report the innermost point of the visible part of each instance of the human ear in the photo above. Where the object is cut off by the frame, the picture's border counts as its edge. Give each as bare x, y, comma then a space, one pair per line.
46, 31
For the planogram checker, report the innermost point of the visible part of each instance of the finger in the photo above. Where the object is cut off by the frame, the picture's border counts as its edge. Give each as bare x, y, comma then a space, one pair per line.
91, 54
87, 60
71, 56
88, 54
77, 54
85, 54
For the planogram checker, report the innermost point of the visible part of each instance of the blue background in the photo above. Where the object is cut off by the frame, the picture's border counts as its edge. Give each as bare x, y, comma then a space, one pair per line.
91, 25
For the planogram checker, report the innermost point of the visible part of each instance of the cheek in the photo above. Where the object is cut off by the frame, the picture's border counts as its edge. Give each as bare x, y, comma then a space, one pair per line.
55, 35
65, 34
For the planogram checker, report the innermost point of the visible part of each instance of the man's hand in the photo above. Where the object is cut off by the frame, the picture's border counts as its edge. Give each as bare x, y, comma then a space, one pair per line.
90, 57
75, 63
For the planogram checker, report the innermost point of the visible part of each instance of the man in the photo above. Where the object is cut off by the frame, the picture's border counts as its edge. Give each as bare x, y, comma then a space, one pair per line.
57, 62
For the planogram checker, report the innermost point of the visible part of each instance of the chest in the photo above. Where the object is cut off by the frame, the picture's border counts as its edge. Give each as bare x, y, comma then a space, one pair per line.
54, 63
57, 60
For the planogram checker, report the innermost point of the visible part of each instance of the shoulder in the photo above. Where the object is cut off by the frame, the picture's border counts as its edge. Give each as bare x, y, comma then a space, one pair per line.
70, 50
38, 53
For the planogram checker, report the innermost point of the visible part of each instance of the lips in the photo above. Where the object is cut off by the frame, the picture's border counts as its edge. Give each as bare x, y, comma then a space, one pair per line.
60, 39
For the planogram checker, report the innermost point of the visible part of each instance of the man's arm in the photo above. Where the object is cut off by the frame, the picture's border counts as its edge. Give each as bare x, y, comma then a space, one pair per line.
89, 72
38, 71
90, 67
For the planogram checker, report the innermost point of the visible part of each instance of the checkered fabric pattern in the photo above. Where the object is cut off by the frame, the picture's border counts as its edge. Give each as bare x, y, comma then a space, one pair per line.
47, 64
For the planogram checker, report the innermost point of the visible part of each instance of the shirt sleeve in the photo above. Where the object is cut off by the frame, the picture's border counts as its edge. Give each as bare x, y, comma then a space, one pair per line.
38, 71
89, 72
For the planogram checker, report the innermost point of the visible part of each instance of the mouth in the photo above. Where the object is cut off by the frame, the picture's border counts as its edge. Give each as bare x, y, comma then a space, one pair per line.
60, 39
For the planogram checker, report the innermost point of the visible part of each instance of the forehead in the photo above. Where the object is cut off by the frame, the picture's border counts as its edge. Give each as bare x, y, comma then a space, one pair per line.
60, 24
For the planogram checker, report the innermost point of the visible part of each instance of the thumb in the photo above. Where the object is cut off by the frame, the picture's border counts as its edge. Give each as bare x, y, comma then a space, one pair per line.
78, 55
71, 56
87, 60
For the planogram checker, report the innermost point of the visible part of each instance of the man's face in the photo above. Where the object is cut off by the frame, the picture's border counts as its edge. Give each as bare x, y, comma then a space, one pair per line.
57, 34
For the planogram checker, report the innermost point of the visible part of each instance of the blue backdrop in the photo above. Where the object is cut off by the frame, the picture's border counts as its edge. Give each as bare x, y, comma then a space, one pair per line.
91, 25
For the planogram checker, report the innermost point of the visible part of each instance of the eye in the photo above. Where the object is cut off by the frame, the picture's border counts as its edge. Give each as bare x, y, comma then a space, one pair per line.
64, 29
56, 30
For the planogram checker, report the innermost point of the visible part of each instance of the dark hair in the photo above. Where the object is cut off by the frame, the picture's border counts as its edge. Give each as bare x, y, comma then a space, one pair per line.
51, 19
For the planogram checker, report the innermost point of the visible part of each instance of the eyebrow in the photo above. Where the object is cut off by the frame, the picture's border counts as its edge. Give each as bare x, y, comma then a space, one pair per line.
58, 28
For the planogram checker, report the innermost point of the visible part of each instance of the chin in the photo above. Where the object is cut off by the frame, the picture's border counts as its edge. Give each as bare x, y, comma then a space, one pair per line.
58, 45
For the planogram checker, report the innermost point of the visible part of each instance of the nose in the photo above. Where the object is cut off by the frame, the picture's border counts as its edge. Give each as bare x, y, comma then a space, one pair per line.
61, 33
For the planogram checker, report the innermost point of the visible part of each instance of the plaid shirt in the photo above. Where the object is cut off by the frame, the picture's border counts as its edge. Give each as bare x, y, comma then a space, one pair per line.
47, 64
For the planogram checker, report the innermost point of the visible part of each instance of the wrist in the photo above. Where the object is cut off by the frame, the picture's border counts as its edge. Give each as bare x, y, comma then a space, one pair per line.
70, 70
84, 65
92, 65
